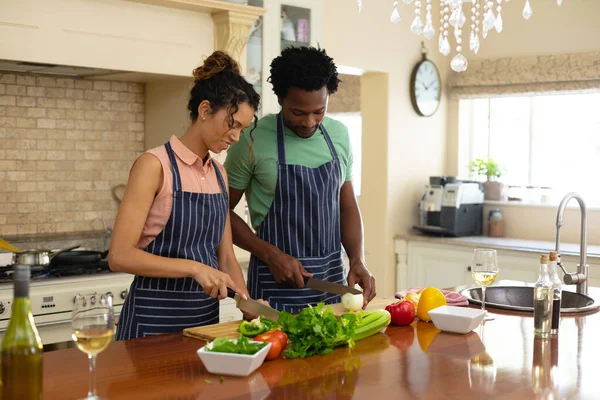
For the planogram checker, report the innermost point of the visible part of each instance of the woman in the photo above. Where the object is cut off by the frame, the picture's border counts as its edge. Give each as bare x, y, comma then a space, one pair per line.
172, 230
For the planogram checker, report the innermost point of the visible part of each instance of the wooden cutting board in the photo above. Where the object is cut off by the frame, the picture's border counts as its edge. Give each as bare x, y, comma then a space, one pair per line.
229, 329
210, 332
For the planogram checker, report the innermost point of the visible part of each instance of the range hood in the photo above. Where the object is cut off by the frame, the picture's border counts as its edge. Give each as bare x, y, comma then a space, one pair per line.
52, 69
37, 68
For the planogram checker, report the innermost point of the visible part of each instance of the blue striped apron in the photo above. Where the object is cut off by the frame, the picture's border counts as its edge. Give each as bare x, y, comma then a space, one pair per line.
304, 222
193, 232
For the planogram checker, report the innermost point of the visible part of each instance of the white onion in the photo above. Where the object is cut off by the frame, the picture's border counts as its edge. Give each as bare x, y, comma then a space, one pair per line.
353, 302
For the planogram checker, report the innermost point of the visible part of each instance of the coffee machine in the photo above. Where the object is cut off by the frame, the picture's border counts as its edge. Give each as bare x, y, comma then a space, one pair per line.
450, 207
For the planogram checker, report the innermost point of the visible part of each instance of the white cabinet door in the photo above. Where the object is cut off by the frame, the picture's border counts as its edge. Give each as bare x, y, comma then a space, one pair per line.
446, 265
437, 265
518, 266
432, 264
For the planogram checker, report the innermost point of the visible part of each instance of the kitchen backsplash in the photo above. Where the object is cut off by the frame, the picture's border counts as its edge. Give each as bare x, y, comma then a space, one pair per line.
64, 144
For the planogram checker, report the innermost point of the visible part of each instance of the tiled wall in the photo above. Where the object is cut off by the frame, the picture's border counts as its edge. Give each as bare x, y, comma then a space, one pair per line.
64, 144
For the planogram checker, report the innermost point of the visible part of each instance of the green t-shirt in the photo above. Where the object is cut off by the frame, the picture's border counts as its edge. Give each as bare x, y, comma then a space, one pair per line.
258, 175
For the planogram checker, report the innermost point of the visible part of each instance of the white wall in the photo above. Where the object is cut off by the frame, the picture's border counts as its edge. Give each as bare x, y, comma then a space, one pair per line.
166, 110
571, 28
111, 34
413, 146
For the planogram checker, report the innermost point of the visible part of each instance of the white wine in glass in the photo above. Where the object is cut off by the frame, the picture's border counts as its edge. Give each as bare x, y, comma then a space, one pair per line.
484, 270
93, 330
484, 278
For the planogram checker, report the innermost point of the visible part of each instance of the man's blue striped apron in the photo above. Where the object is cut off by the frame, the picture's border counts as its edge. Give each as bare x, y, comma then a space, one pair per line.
193, 232
304, 222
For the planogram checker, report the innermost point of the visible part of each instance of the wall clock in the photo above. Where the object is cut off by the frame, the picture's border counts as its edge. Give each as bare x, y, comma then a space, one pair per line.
425, 87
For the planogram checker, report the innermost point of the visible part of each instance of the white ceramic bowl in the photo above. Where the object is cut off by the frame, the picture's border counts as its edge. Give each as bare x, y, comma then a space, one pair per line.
232, 364
456, 319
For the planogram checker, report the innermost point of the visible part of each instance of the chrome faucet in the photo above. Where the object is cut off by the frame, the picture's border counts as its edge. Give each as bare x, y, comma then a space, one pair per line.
579, 278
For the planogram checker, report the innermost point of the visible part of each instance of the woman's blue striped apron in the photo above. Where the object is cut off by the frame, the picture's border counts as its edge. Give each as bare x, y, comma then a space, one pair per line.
304, 222
193, 232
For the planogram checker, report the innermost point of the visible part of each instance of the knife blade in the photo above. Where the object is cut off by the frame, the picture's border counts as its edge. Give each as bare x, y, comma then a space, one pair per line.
329, 287
253, 306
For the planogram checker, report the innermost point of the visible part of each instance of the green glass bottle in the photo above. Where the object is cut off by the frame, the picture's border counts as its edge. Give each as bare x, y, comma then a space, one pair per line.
21, 347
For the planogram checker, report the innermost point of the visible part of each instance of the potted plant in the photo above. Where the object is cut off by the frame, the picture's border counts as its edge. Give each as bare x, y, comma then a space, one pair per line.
491, 170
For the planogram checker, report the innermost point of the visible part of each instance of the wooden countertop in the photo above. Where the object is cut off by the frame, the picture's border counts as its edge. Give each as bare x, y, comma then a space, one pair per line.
498, 360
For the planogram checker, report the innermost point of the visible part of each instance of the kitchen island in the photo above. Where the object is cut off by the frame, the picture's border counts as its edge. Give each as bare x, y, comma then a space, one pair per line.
500, 359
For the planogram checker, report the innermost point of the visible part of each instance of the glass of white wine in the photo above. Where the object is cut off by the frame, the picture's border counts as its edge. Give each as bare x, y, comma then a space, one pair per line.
484, 270
93, 329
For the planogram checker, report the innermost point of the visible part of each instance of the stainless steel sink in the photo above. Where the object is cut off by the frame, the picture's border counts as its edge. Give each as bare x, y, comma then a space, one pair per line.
520, 298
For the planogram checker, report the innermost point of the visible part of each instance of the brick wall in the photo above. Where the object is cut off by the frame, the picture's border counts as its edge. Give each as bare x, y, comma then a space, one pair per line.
347, 98
64, 144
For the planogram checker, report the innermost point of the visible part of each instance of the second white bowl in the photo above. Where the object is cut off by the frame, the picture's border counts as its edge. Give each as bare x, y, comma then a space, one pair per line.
456, 319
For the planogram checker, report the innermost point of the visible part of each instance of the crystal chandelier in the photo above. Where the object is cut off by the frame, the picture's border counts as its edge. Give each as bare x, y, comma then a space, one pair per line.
486, 16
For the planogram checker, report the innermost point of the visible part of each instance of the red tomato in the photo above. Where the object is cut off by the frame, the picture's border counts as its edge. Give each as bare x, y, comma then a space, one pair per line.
402, 312
279, 335
282, 338
275, 341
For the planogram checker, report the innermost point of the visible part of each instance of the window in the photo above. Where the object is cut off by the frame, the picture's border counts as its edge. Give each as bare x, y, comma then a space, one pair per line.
541, 141
353, 121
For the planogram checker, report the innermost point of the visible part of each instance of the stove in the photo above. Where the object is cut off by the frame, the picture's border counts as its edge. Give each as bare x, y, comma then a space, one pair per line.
57, 271
52, 293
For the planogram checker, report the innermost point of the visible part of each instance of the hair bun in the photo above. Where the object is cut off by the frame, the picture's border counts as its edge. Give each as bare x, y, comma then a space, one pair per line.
217, 62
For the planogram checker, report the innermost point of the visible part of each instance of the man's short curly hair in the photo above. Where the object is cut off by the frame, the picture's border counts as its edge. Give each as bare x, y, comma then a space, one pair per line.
306, 68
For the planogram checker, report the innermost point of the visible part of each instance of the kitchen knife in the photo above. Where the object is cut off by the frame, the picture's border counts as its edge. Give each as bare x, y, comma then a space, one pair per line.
329, 287
253, 306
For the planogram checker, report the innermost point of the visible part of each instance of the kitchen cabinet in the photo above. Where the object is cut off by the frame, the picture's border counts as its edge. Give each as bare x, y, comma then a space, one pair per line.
285, 23
439, 266
426, 263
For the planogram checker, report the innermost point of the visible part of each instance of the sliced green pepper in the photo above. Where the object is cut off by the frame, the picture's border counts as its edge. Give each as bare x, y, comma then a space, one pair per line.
255, 327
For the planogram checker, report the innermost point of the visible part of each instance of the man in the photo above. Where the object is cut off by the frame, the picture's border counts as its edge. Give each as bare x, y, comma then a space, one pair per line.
296, 171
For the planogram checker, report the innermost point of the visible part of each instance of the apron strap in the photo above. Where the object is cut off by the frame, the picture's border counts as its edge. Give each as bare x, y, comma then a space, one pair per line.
329, 143
174, 168
280, 139
219, 176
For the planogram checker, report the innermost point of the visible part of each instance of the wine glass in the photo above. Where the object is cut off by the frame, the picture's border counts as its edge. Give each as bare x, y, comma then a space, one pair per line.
484, 270
93, 329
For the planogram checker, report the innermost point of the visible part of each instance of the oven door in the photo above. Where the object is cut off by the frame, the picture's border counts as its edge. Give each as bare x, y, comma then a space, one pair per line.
52, 302
55, 329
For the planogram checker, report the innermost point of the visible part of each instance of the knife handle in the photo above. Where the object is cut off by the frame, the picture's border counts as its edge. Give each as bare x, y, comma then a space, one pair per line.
306, 278
230, 293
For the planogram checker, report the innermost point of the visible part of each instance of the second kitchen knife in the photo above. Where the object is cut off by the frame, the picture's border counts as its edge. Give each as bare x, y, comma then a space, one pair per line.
329, 287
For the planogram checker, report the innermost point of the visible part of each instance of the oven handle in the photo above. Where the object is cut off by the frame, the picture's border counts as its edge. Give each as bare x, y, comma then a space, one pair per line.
68, 321
52, 323
40, 324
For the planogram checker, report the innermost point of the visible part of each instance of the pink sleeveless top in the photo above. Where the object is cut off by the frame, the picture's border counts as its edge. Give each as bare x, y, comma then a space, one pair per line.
196, 176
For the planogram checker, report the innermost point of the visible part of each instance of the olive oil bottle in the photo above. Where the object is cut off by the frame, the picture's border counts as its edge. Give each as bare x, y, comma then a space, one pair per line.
543, 296
21, 346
